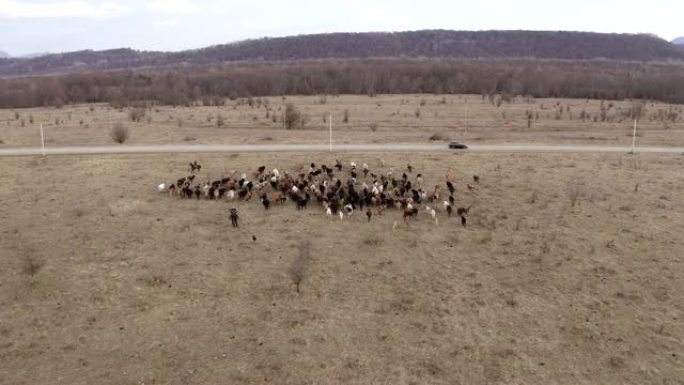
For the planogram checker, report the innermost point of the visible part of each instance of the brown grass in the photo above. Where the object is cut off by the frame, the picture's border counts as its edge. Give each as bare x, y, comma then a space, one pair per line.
393, 114
145, 288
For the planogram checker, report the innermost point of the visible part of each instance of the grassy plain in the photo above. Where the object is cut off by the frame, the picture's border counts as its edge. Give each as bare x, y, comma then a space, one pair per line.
106, 281
380, 119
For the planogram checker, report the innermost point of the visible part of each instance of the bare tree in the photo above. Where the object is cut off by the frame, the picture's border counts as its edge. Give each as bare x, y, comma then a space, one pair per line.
301, 263
293, 118
119, 133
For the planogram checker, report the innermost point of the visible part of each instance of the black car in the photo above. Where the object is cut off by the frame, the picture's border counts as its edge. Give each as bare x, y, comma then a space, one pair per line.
457, 145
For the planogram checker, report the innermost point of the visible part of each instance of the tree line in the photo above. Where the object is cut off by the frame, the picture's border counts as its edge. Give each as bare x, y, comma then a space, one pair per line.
212, 85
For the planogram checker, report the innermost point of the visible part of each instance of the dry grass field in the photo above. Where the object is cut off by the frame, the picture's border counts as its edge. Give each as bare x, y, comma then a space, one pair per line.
106, 281
380, 119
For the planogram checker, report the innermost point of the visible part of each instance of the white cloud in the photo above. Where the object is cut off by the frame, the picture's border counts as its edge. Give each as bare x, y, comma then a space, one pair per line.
171, 6
21, 9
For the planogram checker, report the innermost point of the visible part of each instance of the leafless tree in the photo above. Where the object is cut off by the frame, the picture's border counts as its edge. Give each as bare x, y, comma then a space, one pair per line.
300, 263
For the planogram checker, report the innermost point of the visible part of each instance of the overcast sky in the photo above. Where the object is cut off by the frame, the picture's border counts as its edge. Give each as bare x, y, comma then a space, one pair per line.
68, 25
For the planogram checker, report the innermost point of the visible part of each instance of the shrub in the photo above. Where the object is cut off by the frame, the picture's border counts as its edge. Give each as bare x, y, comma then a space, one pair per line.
437, 136
374, 126
58, 102
293, 118
345, 116
574, 191
220, 122
137, 114
31, 264
119, 133
300, 263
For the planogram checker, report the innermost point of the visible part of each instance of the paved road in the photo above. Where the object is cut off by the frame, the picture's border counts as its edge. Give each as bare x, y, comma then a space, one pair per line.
510, 148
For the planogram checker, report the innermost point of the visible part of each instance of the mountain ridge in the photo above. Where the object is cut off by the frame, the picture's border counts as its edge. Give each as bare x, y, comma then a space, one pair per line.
430, 44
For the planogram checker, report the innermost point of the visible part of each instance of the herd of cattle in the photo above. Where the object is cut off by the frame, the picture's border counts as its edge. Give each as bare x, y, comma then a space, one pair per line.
339, 190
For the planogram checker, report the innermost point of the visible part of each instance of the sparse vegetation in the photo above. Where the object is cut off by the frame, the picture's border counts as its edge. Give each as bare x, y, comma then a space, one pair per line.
437, 136
574, 192
32, 264
300, 264
119, 133
137, 114
293, 118
366, 287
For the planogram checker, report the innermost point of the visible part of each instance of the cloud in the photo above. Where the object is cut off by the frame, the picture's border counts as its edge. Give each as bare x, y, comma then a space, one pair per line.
13, 9
171, 6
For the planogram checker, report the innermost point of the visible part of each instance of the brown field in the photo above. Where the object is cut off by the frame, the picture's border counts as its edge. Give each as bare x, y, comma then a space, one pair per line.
393, 117
106, 281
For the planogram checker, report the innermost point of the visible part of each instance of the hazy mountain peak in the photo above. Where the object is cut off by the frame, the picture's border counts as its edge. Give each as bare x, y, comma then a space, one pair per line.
678, 41
4, 55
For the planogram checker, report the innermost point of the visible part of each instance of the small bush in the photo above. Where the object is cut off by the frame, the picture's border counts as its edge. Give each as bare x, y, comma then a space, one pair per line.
345, 116
417, 112
78, 212
293, 118
220, 122
31, 265
374, 126
438, 136
119, 133
300, 263
574, 191
137, 114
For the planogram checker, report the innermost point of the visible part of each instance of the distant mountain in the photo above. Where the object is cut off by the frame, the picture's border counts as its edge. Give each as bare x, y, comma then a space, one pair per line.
678, 41
35, 55
4, 55
413, 44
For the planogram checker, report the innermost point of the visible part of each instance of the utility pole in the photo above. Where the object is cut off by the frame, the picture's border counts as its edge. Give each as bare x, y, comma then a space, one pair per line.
465, 118
634, 137
42, 139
